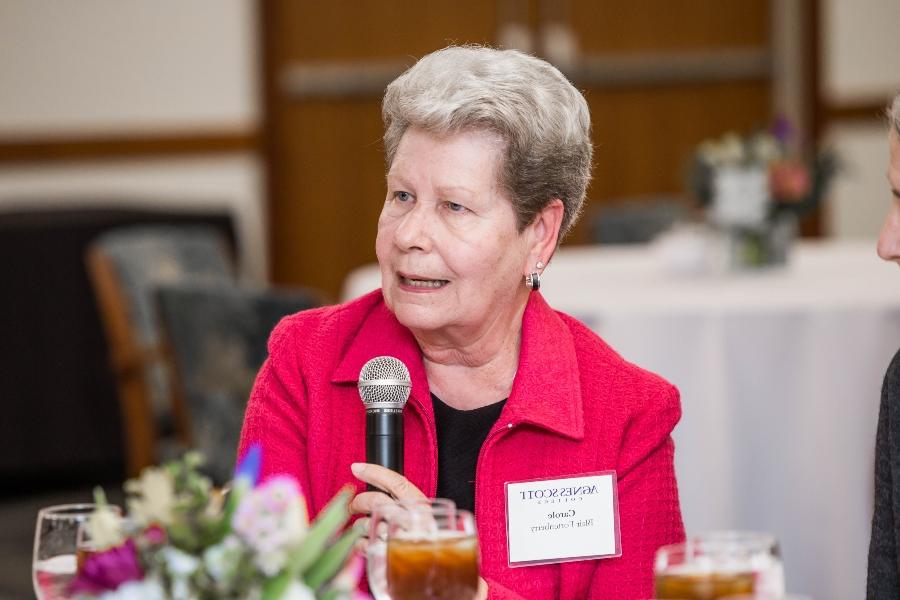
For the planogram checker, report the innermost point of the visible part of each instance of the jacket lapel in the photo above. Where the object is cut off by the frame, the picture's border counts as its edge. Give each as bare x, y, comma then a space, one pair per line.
546, 391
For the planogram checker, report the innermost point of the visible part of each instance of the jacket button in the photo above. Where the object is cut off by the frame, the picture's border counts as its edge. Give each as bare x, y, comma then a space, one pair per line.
509, 425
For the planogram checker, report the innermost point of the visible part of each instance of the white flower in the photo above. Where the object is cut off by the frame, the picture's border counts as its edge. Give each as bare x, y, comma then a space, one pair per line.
155, 497
104, 527
298, 590
147, 589
270, 562
272, 519
710, 153
180, 565
731, 149
765, 149
181, 590
223, 559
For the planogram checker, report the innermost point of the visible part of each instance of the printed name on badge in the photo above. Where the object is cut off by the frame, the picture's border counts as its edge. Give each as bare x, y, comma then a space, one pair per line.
561, 520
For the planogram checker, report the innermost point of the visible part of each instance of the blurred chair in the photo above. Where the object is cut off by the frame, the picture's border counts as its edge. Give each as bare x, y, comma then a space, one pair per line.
635, 221
218, 334
126, 267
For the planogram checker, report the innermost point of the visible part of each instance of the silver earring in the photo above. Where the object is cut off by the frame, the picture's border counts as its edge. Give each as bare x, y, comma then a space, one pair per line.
539, 265
533, 281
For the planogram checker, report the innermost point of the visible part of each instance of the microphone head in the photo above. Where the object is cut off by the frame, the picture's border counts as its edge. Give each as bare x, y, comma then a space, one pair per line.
384, 383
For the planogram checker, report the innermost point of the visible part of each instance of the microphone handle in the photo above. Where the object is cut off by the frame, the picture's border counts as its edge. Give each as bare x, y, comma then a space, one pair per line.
384, 440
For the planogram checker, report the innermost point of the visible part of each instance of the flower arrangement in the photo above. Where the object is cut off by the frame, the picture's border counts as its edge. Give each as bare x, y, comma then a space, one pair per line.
792, 183
756, 186
184, 540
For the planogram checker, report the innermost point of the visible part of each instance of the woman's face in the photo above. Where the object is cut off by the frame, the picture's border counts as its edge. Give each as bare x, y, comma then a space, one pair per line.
451, 258
889, 240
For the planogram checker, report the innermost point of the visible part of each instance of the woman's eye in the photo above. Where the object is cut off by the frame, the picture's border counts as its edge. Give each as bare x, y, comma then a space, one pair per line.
403, 196
453, 206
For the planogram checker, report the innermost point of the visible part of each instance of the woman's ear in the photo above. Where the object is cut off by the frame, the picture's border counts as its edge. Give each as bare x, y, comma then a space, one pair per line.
545, 233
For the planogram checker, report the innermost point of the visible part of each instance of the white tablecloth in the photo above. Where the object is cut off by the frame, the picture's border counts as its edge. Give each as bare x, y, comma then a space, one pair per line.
780, 374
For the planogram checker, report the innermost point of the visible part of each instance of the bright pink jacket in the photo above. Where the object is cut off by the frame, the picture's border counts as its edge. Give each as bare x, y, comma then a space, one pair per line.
575, 407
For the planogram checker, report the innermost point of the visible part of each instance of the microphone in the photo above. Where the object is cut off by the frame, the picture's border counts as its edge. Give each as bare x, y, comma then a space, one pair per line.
384, 387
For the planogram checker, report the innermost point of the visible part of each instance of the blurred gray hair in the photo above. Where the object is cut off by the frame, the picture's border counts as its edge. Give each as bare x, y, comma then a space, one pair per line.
543, 120
893, 114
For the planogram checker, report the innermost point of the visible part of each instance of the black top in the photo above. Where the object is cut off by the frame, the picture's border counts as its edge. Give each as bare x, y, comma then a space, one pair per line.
460, 435
884, 575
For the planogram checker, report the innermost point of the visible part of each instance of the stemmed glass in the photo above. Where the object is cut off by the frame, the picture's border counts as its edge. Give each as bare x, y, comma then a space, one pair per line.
376, 546
59, 537
718, 565
432, 555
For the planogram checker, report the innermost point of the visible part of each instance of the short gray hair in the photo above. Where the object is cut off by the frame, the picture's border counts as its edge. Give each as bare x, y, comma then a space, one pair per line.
543, 120
893, 114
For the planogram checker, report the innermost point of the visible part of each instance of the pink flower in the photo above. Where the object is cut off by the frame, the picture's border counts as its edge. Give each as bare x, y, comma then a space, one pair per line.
272, 519
789, 181
107, 570
154, 535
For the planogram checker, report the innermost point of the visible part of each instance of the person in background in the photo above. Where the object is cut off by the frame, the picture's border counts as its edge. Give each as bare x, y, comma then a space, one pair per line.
883, 580
488, 158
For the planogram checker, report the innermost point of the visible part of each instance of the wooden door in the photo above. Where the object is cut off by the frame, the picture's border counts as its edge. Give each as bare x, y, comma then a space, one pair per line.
659, 77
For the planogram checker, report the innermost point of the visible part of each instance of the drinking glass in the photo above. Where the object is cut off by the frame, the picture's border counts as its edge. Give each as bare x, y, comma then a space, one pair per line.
432, 555
376, 547
719, 565
59, 538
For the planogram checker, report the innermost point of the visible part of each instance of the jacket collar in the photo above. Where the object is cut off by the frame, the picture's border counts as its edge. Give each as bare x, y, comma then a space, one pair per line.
546, 391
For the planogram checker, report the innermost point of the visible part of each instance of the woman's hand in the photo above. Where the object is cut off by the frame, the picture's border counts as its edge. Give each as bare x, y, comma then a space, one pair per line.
394, 486
482, 589
399, 488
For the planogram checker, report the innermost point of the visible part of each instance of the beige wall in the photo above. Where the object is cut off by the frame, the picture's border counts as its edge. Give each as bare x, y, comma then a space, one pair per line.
860, 48
126, 65
129, 68
860, 197
859, 51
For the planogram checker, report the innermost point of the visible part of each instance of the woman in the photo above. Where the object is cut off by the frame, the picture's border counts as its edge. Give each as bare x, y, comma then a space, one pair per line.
488, 157
884, 575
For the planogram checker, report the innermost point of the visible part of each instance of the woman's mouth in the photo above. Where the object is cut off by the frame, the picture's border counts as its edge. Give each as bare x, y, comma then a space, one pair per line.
423, 283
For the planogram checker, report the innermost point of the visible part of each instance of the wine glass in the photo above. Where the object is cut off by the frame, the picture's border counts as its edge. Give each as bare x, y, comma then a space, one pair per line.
718, 565
432, 555
56, 547
376, 547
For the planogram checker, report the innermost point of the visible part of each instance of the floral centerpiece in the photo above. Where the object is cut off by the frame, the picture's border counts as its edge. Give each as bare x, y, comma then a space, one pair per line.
183, 539
756, 186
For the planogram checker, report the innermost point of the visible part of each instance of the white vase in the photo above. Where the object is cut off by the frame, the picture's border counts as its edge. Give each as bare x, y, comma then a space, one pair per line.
740, 196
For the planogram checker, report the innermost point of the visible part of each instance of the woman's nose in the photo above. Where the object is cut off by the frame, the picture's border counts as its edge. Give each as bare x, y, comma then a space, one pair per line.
413, 230
889, 239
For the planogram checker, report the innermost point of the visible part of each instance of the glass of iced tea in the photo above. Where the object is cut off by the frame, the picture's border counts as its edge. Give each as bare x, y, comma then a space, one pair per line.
432, 555
376, 545
720, 565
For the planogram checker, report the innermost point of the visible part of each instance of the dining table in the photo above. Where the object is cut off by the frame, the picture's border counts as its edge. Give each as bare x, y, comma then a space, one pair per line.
779, 370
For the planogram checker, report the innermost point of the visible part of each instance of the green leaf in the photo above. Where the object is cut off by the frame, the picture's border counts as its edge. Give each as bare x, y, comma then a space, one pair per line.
330, 520
222, 528
274, 588
99, 497
332, 560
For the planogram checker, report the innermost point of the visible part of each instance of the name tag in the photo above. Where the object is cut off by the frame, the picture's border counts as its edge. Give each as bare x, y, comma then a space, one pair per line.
561, 520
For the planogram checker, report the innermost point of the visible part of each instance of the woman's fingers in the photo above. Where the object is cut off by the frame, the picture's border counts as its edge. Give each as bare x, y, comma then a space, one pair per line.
398, 486
362, 526
363, 503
